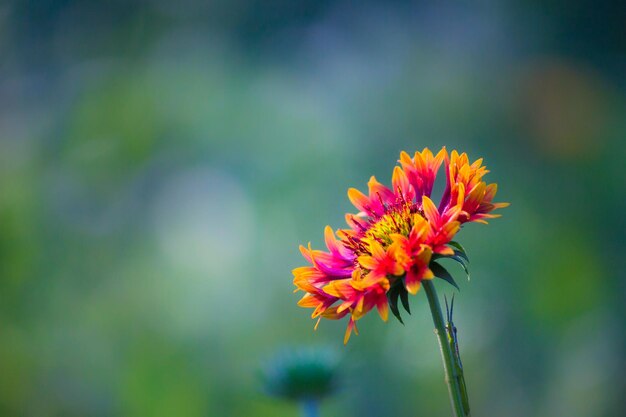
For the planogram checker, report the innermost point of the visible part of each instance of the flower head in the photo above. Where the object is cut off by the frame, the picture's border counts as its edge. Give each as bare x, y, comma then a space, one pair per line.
394, 238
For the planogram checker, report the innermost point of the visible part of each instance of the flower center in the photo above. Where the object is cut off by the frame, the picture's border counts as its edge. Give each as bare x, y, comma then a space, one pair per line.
398, 219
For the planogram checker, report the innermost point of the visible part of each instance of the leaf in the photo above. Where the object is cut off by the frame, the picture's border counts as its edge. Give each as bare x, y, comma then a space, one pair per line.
404, 297
459, 250
392, 297
461, 255
463, 264
441, 272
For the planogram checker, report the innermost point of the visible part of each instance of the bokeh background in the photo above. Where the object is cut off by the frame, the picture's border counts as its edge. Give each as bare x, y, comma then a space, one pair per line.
160, 163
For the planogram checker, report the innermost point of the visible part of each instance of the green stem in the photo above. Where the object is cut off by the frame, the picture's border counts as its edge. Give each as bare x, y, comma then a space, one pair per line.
452, 380
310, 408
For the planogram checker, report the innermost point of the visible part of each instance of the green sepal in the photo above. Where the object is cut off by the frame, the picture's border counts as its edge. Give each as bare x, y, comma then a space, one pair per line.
392, 297
462, 262
459, 250
441, 272
404, 297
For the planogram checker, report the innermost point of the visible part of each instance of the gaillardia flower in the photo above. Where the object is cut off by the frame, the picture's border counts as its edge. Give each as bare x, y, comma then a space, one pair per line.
395, 237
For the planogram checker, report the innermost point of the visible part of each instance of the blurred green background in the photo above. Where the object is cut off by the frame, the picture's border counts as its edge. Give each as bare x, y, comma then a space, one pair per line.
160, 163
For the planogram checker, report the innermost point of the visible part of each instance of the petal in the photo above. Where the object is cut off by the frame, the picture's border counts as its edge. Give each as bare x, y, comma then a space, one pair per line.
308, 272
335, 246
377, 251
351, 325
309, 301
317, 323
368, 262
419, 229
305, 285
379, 192
399, 239
428, 274
449, 230
344, 306
430, 211
439, 158
477, 164
459, 190
370, 280
383, 308
476, 195
333, 313
401, 184
339, 289
321, 309
490, 191
396, 269
359, 200
405, 159
420, 162
423, 258
443, 250
356, 223
339, 268
359, 305
412, 281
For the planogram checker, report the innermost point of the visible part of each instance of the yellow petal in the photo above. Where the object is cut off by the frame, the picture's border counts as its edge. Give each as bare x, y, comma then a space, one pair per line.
430, 211
358, 199
383, 310
367, 262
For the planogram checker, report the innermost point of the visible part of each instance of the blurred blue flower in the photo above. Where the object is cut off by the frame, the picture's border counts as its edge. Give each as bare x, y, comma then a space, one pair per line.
305, 374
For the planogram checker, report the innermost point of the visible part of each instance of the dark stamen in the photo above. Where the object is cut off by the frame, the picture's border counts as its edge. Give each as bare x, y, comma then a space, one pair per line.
382, 203
402, 200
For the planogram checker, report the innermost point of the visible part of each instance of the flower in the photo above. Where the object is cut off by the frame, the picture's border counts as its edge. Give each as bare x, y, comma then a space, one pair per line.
392, 242
301, 374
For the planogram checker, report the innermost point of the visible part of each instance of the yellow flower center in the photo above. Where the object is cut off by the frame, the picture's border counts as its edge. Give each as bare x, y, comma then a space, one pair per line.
397, 220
